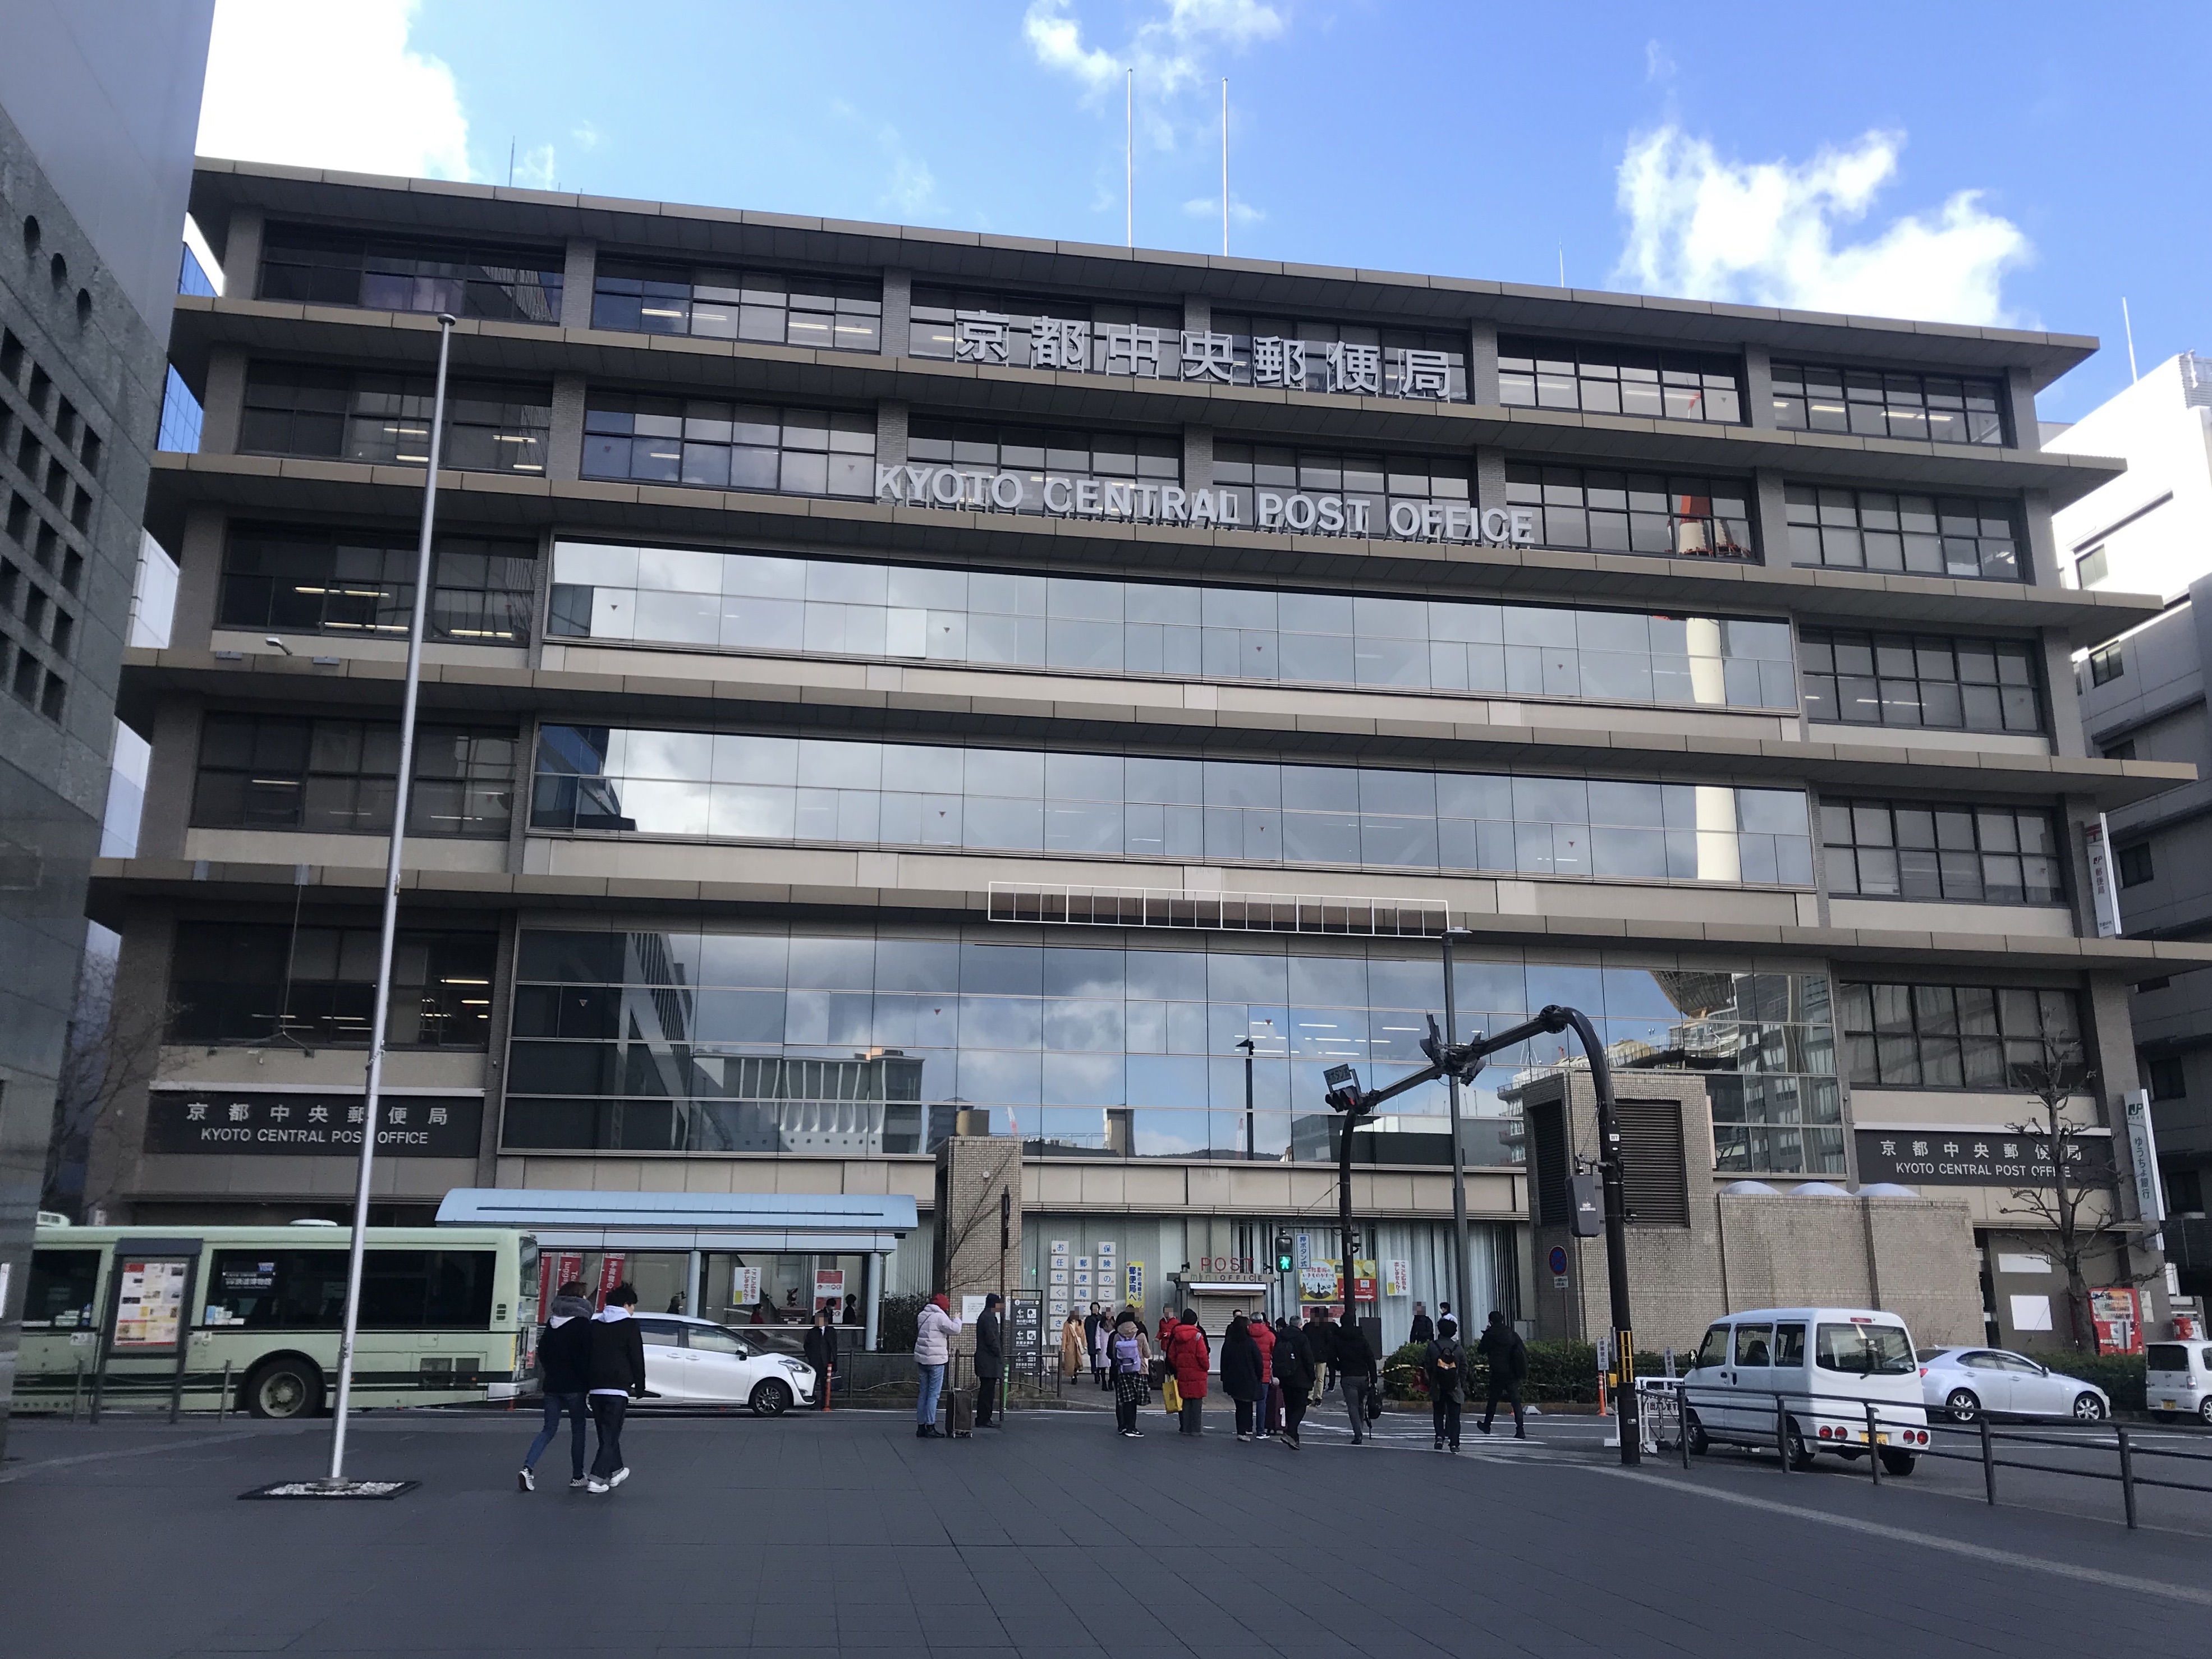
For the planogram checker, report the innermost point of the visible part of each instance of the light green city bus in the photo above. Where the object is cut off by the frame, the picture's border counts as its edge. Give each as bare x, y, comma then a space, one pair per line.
448, 1316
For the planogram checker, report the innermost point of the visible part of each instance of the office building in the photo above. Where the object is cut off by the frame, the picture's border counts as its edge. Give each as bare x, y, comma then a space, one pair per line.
886, 682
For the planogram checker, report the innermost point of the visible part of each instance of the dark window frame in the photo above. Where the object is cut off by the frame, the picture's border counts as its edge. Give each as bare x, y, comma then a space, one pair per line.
311, 580
1889, 404
1601, 510
1902, 533
1993, 685
1895, 1035
324, 775
220, 971
716, 444
378, 419
1619, 379
1946, 851
312, 266
763, 307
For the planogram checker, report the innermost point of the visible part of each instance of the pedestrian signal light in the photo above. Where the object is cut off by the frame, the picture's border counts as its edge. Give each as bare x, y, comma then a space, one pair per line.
1284, 1260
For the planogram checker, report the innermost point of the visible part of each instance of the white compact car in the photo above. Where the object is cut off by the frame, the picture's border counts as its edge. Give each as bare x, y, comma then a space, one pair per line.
1807, 1377
1965, 1382
2178, 1380
696, 1362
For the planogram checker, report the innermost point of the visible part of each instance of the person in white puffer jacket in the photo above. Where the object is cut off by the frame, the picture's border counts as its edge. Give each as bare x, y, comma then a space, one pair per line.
934, 1334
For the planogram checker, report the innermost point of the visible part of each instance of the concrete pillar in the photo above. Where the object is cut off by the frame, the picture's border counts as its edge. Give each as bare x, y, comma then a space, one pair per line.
871, 1298
1198, 458
1197, 312
2039, 557
1482, 363
1769, 519
898, 312
199, 578
565, 442
171, 773
224, 402
1489, 479
692, 1270
1758, 388
579, 270
891, 433
241, 255
2019, 411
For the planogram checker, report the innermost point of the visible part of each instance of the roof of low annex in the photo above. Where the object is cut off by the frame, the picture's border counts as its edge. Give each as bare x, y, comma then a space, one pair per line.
672, 230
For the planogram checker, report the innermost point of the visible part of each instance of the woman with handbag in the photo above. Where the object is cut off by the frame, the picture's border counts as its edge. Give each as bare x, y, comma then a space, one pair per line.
1189, 1354
1074, 1351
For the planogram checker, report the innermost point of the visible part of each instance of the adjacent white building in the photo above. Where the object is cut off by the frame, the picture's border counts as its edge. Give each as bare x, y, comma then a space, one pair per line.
2149, 530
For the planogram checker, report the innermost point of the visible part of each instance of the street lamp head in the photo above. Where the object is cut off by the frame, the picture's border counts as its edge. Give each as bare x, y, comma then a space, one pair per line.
1458, 932
1248, 1045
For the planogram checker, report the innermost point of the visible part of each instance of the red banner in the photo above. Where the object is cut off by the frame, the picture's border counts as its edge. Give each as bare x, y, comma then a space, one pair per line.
610, 1273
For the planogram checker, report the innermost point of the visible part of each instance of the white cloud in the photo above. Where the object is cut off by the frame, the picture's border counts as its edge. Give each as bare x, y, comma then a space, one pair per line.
587, 136
1658, 62
331, 86
912, 187
1209, 207
535, 169
1766, 233
1165, 51
1057, 40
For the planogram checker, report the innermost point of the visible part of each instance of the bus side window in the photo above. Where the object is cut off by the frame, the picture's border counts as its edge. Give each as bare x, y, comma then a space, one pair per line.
60, 1295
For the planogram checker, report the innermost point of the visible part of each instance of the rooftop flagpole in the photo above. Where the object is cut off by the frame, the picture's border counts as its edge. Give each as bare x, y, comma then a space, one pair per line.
1224, 166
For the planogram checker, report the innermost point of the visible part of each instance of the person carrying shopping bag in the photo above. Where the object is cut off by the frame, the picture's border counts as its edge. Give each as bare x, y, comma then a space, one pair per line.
1189, 1353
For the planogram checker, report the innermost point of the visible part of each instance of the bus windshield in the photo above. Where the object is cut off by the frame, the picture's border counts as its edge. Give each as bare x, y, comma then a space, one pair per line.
1866, 1350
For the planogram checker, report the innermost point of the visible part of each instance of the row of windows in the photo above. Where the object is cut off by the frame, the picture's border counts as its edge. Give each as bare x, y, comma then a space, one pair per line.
385, 274
764, 602
1675, 386
1987, 854
723, 445
1632, 512
250, 982
730, 786
339, 777
320, 581
1943, 409
1943, 1037
830, 314
385, 419
1919, 680
1924, 535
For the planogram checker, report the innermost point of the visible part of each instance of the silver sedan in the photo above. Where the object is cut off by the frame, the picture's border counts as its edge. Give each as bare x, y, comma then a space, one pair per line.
1964, 1383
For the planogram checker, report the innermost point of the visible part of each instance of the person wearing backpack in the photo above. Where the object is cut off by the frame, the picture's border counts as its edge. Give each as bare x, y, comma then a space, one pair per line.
1355, 1368
1446, 1359
1131, 1355
1501, 1345
1294, 1375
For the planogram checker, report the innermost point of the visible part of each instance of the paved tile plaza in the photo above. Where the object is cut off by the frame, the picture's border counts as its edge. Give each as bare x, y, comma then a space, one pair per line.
1052, 1538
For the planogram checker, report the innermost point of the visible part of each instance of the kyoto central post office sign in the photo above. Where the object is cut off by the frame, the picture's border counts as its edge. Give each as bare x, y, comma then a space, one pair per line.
214, 1120
1145, 501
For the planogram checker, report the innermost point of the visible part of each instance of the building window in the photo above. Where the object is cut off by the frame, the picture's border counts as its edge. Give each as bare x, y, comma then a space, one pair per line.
720, 446
385, 419
2107, 664
1632, 512
181, 417
829, 313
1035, 454
1243, 471
963, 325
741, 601
1921, 535
2134, 862
336, 777
1942, 408
731, 787
2168, 1078
2092, 568
1943, 1037
244, 982
2123, 750
1599, 380
755, 1041
316, 581
504, 284
1976, 855
191, 280
1919, 680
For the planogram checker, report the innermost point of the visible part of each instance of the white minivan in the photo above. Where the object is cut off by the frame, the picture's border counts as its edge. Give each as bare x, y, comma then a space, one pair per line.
1806, 1376
2178, 1380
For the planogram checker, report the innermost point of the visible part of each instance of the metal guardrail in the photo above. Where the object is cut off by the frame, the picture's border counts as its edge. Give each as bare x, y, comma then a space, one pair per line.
1669, 1400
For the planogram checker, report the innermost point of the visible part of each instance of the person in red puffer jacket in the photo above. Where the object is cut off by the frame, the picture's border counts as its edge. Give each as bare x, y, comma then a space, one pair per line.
1188, 1352
1263, 1338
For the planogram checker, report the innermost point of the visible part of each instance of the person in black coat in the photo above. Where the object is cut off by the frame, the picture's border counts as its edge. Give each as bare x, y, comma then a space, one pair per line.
990, 1359
1501, 1345
1294, 1371
821, 1346
1423, 1330
1355, 1368
615, 1373
564, 1351
1445, 1359
1241, 1375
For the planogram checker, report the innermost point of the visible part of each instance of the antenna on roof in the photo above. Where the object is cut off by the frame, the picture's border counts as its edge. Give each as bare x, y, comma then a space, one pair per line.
1563, 264
1129, 159
2127, 324
1224, 166
510, 164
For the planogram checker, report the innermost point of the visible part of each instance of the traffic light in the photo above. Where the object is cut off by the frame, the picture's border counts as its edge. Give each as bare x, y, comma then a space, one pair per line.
1343, 1088
1283, 1259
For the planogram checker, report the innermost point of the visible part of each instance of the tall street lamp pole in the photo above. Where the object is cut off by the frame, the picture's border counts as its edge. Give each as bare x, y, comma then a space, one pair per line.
1464, 1250
1246, 1044
379, 1020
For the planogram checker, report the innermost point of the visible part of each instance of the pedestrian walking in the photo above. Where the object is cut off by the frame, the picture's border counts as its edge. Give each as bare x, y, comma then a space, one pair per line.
821, 1354
852, 1311
1355, 1368
1446, 1359
1240, 1377
1294, 1375
1422, 1330
564, 1364
1189, 1354
934, 1334
990, 1360
1074, 1349
1321, 1342
1501, 1345
1263, 1338
1132, 1359
616, 1376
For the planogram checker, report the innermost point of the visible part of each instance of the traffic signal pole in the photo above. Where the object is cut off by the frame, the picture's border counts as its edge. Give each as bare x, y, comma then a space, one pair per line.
1461, 1062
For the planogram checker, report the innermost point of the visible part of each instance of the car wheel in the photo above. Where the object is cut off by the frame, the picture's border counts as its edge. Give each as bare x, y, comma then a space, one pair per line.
1963, 1405
284, 1388
2204, 1411
1700, 1443
1897, 1462
2089, 1408
1800, 1458
771, 1399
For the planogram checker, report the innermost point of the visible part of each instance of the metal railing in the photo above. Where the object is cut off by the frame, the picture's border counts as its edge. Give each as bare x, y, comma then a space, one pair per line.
1667, 1400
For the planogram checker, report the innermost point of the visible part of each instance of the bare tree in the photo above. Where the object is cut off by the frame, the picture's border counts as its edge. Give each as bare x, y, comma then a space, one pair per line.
111, 1051
2083, 1215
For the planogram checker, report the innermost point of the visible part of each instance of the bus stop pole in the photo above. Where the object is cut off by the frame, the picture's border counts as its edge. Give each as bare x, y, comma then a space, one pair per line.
380, 1019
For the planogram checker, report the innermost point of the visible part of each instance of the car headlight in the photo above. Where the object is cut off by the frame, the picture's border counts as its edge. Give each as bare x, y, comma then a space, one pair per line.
798, 1367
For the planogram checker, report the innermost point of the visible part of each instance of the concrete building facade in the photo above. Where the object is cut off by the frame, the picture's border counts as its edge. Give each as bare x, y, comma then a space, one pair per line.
99, 103
889, 684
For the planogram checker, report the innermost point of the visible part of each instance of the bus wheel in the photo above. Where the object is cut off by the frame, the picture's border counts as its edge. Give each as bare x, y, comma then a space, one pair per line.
288, 1387
771, 1399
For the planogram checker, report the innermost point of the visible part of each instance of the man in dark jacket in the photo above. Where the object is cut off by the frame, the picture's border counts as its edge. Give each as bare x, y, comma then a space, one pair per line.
564, 1355
1321, 1345
821, 1353
1501, 1345
1423, 1330
1294, 1370
990, 1359
1355, 1364
617, 1376
1446, 1361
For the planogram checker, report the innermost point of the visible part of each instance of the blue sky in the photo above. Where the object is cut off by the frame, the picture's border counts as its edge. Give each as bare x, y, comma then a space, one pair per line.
2025, 163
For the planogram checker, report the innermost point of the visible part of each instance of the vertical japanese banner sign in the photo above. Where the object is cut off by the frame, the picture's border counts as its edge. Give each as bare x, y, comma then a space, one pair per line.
610, 1273
2143, 1152
2104, 879
1136, 1271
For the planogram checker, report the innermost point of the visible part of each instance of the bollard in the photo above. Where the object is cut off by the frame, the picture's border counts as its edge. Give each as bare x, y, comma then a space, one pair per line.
1873, 1451
1682, 1424
222, 1405
1781, 1432
76, 1391
2127, 1478
1988, 1463
176, 1394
